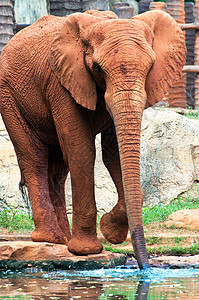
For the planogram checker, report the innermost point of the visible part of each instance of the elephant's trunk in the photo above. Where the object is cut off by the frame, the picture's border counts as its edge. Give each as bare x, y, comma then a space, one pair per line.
127, 115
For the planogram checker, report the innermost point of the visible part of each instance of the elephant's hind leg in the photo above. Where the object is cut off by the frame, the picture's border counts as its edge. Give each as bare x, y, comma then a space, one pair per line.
57, 174
114, 225
32, 157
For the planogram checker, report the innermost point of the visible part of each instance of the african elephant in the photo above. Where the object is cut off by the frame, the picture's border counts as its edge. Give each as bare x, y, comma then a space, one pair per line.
62, 81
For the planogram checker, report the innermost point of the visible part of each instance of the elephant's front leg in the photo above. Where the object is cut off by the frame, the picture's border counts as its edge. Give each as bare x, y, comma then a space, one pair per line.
81, 157
114, 225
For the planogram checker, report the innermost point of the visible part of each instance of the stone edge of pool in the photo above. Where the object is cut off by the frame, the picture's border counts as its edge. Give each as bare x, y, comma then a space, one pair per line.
18, 255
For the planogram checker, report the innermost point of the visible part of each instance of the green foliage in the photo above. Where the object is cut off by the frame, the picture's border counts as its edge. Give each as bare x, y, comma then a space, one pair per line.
18, 297
179, 239
174, 250
15, 219
160, 213
153, 240
115, 250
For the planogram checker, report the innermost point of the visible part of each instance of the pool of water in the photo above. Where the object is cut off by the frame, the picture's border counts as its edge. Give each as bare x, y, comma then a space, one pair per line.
117, 283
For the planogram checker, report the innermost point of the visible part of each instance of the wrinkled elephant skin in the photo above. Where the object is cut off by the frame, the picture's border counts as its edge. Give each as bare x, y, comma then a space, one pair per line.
62, 81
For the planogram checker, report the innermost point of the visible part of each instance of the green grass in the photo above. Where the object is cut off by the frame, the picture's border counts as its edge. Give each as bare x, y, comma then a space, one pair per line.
192, 114
172, 250
153, 240
116, 250
16, 220
160, 213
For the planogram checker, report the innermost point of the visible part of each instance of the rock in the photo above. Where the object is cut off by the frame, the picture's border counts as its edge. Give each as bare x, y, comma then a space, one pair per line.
169, 155
20, 254
185, 218
175, 262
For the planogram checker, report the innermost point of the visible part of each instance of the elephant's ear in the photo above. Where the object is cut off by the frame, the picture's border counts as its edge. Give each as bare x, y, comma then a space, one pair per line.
170, 50
67, 60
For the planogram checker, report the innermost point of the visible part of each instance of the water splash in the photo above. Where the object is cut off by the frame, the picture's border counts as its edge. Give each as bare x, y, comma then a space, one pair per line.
151, 275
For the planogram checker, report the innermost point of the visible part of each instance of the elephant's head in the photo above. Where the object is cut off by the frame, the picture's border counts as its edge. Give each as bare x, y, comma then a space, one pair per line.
134, 62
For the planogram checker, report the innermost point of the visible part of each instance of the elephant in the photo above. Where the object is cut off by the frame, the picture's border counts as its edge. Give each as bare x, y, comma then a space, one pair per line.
62, 81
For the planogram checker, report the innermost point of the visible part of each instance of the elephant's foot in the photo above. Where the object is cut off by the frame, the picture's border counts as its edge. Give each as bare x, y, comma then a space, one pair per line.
84, 245
113, 228
56, 236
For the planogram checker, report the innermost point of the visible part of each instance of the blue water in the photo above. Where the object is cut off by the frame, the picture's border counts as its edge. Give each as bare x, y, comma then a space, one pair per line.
117, 283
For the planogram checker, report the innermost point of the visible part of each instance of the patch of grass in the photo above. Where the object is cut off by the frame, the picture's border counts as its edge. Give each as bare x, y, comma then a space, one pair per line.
116, 250
160, 213
172, 250
192, 114
16, 220
179, 239
153, 240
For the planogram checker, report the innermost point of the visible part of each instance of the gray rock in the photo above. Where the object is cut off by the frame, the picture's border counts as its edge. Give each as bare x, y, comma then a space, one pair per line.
169, 155
175, 262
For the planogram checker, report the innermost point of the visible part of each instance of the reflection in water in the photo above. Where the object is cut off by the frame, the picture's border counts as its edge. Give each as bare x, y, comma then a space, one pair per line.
118, 283
142, 290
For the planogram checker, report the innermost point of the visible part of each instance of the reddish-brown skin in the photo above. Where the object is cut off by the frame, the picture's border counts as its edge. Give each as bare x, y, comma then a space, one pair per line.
60, 81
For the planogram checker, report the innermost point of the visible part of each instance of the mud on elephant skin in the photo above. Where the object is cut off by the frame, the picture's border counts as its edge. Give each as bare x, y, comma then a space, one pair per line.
62, 81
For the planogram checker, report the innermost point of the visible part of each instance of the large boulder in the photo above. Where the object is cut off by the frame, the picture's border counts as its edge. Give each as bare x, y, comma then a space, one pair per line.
169, 163
169, 155
185, 218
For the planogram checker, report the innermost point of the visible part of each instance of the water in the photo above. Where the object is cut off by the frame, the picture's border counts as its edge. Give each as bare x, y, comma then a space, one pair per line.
118, 283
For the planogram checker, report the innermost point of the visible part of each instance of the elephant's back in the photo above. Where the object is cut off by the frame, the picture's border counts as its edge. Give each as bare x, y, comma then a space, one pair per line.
30, 45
